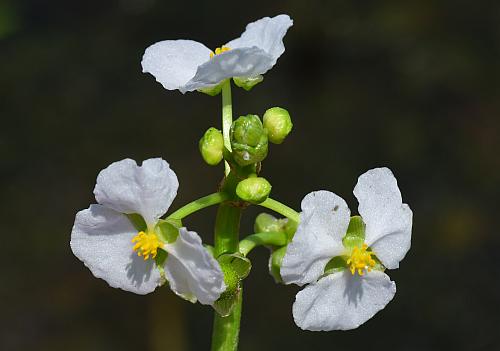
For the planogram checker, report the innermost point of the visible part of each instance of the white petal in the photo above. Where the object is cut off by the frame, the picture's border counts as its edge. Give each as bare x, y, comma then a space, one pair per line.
241, 62
174, 62
388, 221
128, 188
323, 223
102, 239
266, 34
342, 301
191, 270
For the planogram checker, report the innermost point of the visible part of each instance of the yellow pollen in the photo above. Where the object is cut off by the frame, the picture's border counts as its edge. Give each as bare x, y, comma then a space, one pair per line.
361, 260
147, 244
219, 51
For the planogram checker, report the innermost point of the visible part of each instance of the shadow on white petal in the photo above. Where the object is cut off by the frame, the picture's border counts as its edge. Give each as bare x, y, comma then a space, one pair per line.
139, 271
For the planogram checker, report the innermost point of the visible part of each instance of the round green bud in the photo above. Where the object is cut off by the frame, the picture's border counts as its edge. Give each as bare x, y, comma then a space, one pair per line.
254, 190
212, 146
278, 123
248, 140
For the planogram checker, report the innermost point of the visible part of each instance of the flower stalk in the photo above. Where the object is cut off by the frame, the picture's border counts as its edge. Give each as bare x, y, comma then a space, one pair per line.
226, 330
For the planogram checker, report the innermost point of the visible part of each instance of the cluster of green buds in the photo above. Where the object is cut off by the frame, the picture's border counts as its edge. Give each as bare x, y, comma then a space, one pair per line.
249, 138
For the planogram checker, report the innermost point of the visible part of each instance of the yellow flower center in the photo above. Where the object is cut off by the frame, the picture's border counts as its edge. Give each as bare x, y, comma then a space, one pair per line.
219, 51
147, 244
361, 260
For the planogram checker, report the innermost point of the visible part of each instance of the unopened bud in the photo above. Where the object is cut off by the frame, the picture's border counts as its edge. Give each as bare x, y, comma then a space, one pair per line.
211, 146
254, 190
278, 123
248, 140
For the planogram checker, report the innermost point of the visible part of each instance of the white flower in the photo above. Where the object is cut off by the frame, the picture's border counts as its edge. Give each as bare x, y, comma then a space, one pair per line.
357, 290
187, 65
107, 242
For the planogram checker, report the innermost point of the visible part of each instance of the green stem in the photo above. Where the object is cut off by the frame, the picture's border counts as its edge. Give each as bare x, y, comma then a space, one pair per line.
209, 200
227, 117
226, 329
259, 239
281, 209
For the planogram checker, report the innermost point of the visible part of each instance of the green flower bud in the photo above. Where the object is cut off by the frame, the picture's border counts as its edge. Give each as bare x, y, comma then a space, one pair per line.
248, 83
248, 140
211, 146
254, 190
278, 123
265, 223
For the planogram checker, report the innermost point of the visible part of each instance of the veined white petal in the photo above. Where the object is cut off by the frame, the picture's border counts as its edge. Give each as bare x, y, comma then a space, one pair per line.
266, 34
323, 223
128, 188
342, 301
240, 62
174, 62
388, 221
102, 239
191, 271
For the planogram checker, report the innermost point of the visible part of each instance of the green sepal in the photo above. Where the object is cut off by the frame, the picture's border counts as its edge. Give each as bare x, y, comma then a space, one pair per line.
166, 231
137, 221
248, 83
355, 235
336, 264
161, 257
213, 90
275, 263
235, 268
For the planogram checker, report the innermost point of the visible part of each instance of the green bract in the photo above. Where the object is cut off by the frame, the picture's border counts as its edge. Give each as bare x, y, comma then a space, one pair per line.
254, 190
248, 140
235, 268
212, 146
278, 123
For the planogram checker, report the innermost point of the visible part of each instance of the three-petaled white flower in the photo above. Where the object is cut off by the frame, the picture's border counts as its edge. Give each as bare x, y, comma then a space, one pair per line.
356, 290
106, 240
187, 65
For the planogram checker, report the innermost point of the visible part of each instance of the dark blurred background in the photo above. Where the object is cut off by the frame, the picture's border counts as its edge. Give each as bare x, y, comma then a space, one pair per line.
412, 85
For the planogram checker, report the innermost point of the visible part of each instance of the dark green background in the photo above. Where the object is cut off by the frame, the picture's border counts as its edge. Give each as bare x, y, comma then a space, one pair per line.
412, 85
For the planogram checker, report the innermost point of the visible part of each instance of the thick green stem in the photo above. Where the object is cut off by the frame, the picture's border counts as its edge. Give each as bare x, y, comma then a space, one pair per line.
259, 239
226, 329
209, 200
227, 117
281, 209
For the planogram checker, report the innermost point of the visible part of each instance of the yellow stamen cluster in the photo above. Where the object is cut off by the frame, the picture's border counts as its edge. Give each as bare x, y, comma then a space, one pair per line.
147, 244
219, 51
361, 259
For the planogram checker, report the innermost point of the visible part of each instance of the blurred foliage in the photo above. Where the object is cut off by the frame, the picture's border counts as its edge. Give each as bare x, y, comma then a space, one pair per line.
411, 85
